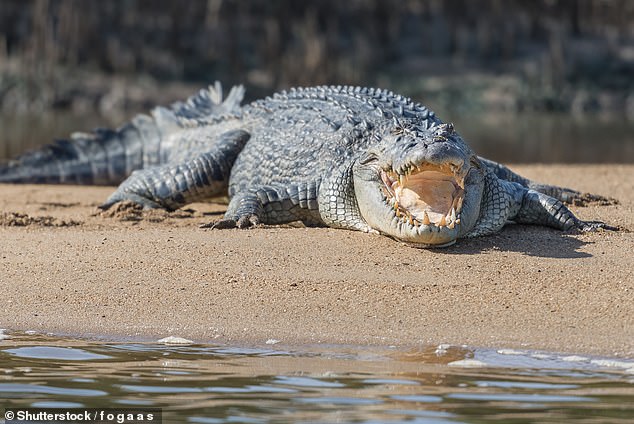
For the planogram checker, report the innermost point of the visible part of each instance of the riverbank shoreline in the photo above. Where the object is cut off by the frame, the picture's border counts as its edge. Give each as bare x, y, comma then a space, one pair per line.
67, 270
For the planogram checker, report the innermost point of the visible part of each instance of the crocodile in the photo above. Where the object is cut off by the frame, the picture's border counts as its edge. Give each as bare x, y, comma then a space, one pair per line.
346, 157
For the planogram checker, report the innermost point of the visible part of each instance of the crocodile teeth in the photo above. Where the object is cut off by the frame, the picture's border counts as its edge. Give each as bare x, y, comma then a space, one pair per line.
389, 184
459, 203
453, 218
426, 220
443, 222
457, 200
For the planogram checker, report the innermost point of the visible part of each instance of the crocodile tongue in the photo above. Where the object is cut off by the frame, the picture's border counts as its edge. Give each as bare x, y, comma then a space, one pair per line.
434, 199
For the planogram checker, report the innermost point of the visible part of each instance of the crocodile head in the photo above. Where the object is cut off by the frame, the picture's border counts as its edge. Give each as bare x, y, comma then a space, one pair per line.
420, 186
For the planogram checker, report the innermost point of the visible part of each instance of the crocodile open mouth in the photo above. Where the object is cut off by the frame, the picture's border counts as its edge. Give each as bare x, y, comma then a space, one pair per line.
427, 194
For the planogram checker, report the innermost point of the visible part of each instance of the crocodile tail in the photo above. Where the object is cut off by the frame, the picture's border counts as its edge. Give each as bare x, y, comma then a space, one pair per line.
102, 157
107, 157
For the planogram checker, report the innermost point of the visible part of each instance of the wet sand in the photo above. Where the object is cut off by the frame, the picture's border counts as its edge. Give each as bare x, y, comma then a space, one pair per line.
66, 270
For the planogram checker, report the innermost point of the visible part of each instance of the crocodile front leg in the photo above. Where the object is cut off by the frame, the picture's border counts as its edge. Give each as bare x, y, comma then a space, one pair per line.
560, 193
338, 204
538, 208
175, 185
272, 204
504, 201
501, 200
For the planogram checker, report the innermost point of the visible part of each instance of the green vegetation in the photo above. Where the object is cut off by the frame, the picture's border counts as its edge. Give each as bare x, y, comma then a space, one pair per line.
516, 55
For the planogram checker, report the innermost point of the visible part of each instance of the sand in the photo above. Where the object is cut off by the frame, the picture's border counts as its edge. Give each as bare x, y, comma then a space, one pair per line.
67, 270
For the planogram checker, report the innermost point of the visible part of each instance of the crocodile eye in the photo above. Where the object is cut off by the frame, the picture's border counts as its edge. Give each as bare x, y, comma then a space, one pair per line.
368, 158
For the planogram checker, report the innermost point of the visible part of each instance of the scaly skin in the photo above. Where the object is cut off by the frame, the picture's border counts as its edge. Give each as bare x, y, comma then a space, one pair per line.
346, 157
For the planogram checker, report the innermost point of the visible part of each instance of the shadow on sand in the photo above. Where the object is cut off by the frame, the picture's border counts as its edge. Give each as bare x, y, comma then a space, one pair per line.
527, 239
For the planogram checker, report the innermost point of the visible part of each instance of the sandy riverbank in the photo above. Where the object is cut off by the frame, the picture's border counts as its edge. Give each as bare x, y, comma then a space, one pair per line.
69, 271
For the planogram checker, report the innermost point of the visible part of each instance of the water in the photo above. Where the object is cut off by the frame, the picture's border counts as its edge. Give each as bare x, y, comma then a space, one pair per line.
22, 132
546, 138
219, 384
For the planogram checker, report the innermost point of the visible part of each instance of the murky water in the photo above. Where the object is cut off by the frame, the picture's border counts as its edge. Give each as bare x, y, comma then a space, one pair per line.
216, 384
546, 138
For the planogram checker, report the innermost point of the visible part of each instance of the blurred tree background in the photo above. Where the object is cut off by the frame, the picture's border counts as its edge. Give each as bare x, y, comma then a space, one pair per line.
457, 56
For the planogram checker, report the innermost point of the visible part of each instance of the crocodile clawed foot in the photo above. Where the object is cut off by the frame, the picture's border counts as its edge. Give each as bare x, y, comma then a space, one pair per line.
248, 221
117, 197
223, 224
586, 226
243, 222
105, 206
109, 203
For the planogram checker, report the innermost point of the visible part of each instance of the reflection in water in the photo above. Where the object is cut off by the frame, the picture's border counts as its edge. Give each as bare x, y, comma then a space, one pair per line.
26, 131
207, 384
547, 138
